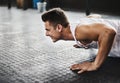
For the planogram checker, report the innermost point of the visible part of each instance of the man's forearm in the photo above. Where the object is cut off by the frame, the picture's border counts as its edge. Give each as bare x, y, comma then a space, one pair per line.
99, 60
105, 45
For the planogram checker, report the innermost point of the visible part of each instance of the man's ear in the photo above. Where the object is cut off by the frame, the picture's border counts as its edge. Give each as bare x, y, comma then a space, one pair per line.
59, 27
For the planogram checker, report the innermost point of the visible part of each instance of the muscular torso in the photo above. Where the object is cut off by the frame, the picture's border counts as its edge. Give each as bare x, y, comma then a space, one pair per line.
88, 33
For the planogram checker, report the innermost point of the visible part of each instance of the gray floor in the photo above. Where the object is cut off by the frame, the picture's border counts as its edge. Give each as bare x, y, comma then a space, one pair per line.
28, 56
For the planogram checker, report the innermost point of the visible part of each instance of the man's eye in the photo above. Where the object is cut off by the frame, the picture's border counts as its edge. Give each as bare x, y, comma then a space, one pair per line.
47, 30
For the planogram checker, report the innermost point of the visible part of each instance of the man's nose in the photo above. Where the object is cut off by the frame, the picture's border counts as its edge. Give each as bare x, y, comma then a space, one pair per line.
47, 34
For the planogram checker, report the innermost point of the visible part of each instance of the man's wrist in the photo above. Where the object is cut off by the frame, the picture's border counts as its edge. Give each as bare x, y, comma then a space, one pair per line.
95, 66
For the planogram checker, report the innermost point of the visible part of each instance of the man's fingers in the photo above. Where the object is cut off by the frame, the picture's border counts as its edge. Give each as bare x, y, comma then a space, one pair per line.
75, 67
81, 71
76, 46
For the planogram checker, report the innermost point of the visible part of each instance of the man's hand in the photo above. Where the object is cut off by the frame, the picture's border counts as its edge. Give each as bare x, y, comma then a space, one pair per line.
85, 66
82, 46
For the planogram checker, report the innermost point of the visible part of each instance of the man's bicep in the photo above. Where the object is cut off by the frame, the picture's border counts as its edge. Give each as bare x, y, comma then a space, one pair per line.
106, 41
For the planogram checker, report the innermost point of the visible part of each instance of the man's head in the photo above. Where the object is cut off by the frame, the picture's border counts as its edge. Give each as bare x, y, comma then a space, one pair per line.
55, 20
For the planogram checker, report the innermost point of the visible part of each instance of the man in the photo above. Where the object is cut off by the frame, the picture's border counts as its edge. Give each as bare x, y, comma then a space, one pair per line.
104, 32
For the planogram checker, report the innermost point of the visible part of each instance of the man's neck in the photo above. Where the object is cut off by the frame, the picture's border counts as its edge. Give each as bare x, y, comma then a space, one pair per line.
66, 34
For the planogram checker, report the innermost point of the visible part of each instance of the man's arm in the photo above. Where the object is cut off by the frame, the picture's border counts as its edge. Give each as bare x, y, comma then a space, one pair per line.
105, 40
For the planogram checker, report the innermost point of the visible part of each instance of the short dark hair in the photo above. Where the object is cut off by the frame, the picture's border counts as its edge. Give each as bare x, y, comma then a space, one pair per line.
55, 16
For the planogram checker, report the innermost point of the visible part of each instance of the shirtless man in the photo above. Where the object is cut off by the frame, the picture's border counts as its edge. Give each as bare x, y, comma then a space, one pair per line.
88, 30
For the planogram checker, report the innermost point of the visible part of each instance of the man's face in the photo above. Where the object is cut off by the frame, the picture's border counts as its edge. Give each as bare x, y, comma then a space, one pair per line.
53, 32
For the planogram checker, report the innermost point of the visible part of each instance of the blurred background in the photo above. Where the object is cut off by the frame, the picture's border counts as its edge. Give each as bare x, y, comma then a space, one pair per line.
88, 6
